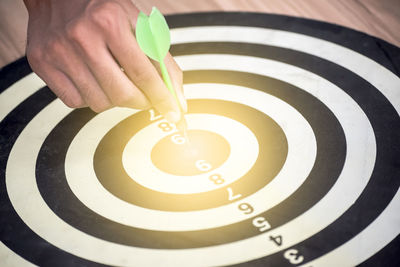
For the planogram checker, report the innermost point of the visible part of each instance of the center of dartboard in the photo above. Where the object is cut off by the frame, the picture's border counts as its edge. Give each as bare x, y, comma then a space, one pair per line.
204, 152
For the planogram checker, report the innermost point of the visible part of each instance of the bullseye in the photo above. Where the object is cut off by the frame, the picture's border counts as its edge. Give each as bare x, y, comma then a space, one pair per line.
174, 155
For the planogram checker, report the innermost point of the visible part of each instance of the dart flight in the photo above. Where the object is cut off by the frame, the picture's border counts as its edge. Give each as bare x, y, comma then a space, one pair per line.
153, 37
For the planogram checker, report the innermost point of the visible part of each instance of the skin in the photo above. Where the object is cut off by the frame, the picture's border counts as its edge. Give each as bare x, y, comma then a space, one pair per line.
86, 52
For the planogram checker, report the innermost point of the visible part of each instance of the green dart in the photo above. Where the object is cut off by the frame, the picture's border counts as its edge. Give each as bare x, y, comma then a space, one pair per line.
153, 37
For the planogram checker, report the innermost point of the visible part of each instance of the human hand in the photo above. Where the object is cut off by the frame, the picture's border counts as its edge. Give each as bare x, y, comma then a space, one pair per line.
86, 52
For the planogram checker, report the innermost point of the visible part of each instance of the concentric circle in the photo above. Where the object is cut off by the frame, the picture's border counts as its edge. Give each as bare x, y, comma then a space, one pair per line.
321, 112
80, 180
140, 165
108, 155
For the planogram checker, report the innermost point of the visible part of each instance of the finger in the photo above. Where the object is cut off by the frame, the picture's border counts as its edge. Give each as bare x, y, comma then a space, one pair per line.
113, 81
142, 73
61, 86
176, 77
106, 21
89, 89
70, 62
172, 67
57, 81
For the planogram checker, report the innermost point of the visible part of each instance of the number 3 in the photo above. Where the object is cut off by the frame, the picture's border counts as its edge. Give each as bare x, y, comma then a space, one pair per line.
292, 255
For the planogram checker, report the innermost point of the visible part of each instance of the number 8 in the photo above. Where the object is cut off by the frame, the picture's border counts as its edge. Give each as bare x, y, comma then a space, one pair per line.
217, 179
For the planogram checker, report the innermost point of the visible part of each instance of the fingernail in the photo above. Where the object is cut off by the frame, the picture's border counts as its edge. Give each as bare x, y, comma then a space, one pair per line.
172, 116
183, 103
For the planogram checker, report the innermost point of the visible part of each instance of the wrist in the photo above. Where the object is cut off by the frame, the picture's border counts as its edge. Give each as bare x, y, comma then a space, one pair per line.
31, 4
35, 5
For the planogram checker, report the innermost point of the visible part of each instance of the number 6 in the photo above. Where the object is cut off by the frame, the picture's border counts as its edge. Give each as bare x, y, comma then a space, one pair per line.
203, 165
178, 139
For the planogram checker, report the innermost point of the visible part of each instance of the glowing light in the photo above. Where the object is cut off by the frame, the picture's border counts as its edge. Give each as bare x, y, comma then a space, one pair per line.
222, 132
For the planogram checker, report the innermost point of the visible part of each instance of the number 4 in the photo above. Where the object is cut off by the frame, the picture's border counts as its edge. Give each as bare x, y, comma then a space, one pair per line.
276, 239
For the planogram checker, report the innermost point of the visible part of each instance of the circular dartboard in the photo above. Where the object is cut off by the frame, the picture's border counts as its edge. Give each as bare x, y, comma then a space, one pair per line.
293, 156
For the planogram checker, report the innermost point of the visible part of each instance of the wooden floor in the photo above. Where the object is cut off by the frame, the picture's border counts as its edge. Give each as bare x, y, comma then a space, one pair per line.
380, 18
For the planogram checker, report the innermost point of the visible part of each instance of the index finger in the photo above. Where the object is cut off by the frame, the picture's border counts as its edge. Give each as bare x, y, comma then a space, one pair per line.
143, 74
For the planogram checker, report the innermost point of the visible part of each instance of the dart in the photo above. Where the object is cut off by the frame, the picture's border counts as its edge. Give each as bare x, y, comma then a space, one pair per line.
153, 37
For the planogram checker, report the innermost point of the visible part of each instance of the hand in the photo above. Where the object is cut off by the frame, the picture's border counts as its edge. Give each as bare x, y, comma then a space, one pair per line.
86, 52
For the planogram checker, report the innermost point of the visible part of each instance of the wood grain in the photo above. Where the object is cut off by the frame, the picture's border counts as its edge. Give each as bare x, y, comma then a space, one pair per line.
378, 18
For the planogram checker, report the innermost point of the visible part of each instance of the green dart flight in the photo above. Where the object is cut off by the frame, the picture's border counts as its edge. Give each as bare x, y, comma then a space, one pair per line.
153, 37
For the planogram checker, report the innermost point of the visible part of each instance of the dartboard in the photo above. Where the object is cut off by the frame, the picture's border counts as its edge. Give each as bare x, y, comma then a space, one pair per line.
293, 156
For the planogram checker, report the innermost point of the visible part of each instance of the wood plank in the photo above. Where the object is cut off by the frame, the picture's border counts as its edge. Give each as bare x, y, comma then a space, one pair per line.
377, 18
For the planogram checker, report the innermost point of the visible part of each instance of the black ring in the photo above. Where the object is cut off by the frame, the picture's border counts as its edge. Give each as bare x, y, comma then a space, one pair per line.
109, 170
380, 111
330, 148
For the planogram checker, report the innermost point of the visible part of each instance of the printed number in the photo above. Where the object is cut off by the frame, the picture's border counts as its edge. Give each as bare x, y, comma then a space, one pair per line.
293, 256
203, 165
261, 223
231, 196
276, 239
246, 208
154, 116
217, 179
165, 126
178, 139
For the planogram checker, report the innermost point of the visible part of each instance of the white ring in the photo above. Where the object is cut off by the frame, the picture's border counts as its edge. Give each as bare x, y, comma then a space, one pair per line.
137, 162
263, 247
9, 258
88, 246
259, 244
18, 92
86, 187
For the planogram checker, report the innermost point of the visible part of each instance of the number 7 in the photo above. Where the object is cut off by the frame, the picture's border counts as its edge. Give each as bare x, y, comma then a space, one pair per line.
231, 196
153, 115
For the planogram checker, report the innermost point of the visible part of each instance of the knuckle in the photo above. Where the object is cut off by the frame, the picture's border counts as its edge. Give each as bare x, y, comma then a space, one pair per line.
54, 47
122, 99
70, 101
96, 102
142, 76
76, 30
34, 55
162, 102
86, 92
73, 102
100, 107
106, 14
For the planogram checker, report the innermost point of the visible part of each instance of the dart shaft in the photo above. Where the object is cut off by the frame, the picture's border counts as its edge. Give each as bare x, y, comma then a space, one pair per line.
167, 81
182, 125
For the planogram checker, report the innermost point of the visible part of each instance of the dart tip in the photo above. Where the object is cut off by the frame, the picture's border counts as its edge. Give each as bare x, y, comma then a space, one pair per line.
182, 127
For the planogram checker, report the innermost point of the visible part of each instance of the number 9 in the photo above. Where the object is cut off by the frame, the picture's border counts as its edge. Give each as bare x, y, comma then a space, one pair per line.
203, 165
246, 208
178, 139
